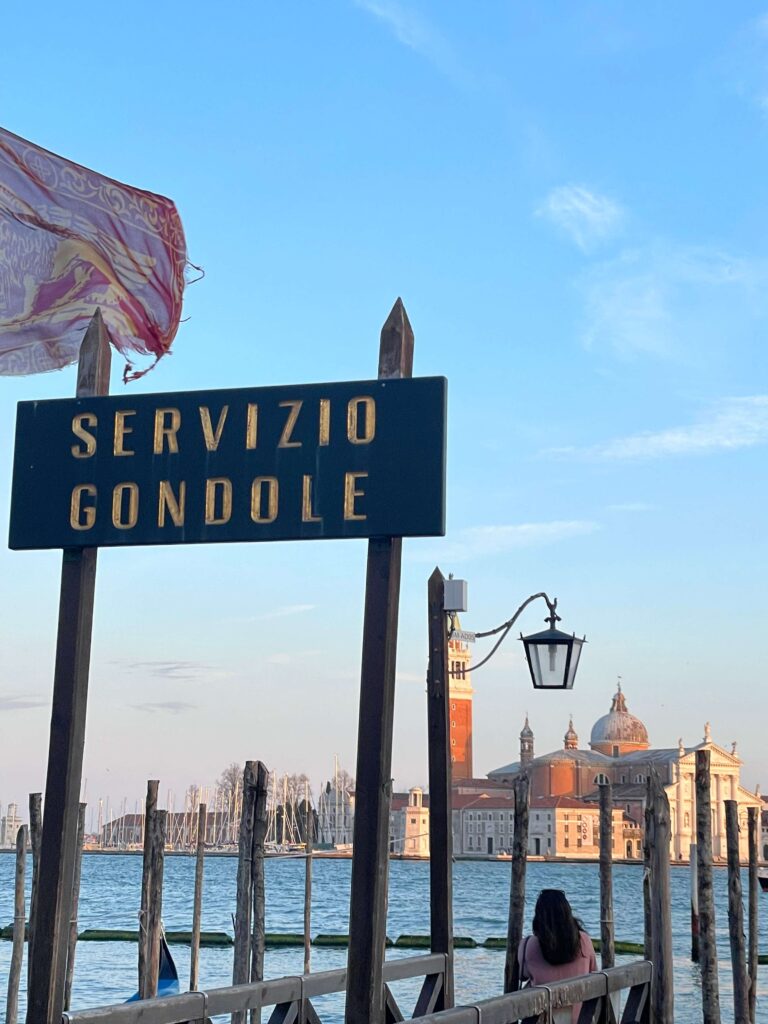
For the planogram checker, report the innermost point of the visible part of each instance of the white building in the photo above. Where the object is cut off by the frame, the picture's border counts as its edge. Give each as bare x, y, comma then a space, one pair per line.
335, 815
409, 824
10, 824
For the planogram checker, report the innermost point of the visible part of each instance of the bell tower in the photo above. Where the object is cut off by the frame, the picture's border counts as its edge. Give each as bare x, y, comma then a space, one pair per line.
526, 744
460, 705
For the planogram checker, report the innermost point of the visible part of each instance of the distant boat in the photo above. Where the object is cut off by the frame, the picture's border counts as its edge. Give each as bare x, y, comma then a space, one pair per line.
168, 976
762, 877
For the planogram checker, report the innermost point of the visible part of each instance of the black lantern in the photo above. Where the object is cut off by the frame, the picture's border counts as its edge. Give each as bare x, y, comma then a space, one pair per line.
553, 657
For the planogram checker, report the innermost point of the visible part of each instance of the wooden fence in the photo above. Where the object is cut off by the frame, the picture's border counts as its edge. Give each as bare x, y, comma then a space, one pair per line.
291, 999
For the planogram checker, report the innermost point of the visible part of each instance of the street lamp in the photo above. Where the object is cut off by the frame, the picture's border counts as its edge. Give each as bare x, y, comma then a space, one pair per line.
552, 655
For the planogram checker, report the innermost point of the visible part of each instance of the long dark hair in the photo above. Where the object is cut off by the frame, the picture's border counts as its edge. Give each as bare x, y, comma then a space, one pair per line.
556, 928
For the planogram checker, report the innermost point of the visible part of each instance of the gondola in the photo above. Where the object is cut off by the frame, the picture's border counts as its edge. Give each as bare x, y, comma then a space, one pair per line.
168, 976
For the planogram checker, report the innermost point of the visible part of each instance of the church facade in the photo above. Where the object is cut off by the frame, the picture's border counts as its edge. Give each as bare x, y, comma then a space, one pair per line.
620, 752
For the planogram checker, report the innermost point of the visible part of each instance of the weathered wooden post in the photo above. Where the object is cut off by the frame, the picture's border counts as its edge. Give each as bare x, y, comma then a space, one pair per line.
370, 863
710, 989
647, 943
155, 907
35, 841
694, 903
197, 909
307, 882
242, 951
736, 915
753, 820
150, 812
440, 823
67, 736
72, 946
607, 937
19, 925
662, 994
521, 788
257, 872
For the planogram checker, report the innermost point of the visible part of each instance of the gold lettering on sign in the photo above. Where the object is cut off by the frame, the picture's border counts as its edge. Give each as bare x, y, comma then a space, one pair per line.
168, 502
324, 427
353, 419
82, 517
211, 487
290, 423
121, 429
307, 513
257, 499
350, 494
79, 431
117, 506
212, 437
166, 431
252, 426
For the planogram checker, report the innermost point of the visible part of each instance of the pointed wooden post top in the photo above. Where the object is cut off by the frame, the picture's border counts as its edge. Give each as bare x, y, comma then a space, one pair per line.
396, 347
95, 360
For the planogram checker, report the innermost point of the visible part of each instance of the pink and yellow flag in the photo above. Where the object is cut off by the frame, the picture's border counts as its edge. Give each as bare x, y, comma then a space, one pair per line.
72, 240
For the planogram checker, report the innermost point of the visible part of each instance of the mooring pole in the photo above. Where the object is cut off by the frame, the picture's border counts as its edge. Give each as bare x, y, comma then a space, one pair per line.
753, 827
522, 790
736, 916
710, 987
373, 786
607, 937
692, 862
662, 989
440, 832
67, 737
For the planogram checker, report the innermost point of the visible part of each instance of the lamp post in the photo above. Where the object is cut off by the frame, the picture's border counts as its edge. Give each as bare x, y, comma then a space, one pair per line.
553, 657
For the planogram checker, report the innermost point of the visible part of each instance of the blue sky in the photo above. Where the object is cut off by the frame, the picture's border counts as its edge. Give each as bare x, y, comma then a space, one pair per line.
571, 200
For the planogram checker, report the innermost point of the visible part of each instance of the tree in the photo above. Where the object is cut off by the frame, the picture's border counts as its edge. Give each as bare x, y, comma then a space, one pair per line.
231, 779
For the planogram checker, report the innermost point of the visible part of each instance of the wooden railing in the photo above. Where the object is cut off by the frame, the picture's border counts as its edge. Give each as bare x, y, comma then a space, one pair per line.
291, 999
599, 995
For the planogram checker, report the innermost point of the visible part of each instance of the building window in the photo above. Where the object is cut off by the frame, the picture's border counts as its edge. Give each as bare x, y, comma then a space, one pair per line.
566, 841
413, 821
640, 777
453, 743
453, 706
600, 779
615, 750
453, 725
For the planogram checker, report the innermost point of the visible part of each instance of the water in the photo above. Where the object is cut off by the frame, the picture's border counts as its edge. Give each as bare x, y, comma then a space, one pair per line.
106, 972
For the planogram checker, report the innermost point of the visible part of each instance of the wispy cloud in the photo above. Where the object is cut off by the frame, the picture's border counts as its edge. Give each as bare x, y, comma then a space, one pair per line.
586, 216
482, 541
413, 30
671, 301
631, 506
167, 707
170, 669
14, 703
732, 424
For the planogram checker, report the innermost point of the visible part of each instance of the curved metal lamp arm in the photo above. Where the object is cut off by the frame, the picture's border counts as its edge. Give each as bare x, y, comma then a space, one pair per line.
505, 627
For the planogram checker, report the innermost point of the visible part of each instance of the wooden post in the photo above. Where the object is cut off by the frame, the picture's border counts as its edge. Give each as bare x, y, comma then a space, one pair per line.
155, 907
72, 946
242, 951
370, 863
67, 736
694, 904
736, 916
307, 883
197, 910
440, 824
150, 811
710, 989
521, 787
19, 925
753, 820
662, 993
35, 842
259, 799
607, 937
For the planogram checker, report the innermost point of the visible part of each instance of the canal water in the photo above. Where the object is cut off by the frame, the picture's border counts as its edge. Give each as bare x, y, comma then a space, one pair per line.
106, 972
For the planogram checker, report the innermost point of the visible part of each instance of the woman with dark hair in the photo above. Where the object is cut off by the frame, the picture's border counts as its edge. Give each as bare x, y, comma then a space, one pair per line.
559, 947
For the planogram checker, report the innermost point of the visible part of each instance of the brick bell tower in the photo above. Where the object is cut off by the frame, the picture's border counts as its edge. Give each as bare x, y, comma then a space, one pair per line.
460, 702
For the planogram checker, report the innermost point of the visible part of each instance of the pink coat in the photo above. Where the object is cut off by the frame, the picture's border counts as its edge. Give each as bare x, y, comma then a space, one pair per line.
541, 972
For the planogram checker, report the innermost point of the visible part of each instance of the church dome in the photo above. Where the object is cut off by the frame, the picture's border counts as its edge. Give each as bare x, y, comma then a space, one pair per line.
618, 729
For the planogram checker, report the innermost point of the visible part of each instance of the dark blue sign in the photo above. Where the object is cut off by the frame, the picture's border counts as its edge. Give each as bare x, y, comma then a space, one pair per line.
352, 459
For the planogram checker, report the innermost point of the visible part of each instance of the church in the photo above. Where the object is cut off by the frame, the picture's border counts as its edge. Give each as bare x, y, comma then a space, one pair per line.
620, 752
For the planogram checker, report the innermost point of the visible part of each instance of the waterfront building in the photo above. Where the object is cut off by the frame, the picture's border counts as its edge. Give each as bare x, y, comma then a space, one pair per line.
409, 824
335, 813
482, 822
10, 823
620, 752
